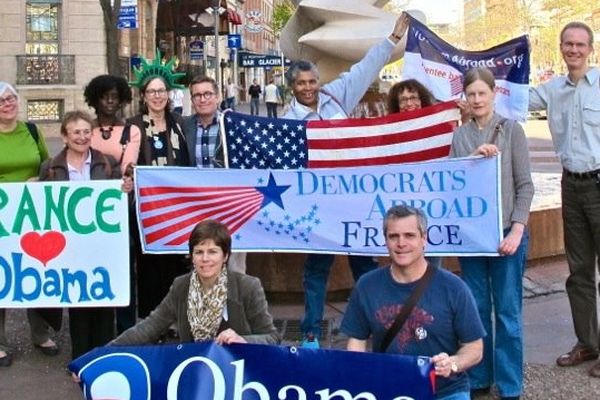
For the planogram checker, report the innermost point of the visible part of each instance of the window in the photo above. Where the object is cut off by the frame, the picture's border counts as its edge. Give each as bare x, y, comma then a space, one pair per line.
44, 110
42, 28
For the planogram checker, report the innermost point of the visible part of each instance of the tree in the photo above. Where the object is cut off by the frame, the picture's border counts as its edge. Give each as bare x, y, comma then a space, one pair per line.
111, 17
282, 12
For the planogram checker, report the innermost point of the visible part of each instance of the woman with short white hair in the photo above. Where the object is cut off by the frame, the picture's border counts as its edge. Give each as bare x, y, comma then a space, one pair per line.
22, 150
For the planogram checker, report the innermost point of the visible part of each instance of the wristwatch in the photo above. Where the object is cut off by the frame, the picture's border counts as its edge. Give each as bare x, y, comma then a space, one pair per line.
454, 367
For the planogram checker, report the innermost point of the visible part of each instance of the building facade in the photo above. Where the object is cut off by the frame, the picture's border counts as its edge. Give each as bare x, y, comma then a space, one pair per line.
49, 49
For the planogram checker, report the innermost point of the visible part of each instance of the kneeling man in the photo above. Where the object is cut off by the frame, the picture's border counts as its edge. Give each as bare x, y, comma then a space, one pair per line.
444, 324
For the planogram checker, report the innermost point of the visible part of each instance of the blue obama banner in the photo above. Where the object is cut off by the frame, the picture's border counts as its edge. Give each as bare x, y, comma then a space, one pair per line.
209, 371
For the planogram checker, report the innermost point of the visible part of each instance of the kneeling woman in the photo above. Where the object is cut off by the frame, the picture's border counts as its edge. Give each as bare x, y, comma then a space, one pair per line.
209, 303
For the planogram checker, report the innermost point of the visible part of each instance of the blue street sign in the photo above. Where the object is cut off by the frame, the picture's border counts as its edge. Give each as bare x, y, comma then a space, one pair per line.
127, 18
196, 50
234, 41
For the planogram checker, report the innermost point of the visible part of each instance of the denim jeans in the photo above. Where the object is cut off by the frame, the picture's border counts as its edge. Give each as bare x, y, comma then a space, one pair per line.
316, 273
254, 105
497, 285
456, 396
231, 103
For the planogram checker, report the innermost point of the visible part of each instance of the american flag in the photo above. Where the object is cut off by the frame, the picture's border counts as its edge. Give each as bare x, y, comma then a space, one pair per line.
265, 143
456, 84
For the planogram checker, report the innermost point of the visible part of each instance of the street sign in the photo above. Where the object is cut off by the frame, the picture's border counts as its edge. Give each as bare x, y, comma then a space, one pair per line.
260, 60
127, 18
196, 50
234, 41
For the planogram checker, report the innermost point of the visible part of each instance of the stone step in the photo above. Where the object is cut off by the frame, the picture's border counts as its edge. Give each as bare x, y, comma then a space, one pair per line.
537, 147
543, 156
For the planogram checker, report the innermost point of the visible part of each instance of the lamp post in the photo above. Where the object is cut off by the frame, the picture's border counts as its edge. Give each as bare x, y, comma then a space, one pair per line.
216, 10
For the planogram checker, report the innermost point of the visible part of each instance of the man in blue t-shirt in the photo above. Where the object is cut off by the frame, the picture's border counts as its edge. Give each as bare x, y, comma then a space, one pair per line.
444, 324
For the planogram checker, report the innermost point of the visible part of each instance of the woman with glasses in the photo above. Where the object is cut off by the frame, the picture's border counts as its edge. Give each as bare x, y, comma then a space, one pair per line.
89, 327
408, 95
22, 150
411, 95
163, 143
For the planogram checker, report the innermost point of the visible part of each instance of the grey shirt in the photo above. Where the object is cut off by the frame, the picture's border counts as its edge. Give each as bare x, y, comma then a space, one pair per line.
517, 186
574, 117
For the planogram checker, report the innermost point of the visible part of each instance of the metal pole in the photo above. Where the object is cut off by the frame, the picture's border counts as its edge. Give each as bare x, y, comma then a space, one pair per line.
217, 59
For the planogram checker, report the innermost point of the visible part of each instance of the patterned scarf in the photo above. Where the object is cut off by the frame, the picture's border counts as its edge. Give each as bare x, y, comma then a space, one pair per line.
205, 306
172, 152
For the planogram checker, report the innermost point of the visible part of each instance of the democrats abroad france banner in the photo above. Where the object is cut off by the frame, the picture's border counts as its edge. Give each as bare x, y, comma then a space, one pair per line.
63, 244
323, 210
208, 371
440, 67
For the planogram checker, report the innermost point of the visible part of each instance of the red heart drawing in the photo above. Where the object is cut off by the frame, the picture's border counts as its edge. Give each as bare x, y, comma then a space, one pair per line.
43, 247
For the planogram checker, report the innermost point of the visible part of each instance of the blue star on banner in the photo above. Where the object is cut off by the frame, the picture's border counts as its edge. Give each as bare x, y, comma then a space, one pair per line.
272, 192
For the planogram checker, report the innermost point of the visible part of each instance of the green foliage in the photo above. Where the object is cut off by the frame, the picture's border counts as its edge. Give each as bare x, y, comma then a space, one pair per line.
282, 12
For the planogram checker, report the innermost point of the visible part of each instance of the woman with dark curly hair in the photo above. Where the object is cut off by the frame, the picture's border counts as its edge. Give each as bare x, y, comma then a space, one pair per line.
408, 95
106, 94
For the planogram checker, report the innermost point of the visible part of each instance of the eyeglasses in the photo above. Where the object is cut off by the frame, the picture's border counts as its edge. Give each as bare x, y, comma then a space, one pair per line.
10, 99
156, 92
206, 96
411, 99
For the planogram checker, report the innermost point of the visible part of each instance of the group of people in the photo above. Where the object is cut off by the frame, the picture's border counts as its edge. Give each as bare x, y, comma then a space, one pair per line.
471, 327
271, 95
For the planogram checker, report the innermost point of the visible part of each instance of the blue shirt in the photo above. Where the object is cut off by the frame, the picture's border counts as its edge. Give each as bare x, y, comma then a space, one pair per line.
444, 317
206, 141
573, 110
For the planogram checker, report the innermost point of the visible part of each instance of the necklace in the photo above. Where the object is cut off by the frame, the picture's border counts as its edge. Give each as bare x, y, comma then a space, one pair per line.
106, 132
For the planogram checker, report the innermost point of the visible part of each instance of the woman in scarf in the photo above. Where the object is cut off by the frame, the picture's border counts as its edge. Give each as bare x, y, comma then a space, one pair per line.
211, 302
162, 144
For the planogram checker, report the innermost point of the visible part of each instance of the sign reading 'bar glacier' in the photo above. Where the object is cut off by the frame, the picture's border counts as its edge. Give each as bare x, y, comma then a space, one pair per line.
327, 210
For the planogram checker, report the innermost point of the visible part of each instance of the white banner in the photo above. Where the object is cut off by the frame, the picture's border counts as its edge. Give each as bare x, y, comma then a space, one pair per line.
326, 210
64, 244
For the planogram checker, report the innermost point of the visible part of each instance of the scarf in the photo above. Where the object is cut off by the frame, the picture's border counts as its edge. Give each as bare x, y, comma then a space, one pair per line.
173, 144
205, 306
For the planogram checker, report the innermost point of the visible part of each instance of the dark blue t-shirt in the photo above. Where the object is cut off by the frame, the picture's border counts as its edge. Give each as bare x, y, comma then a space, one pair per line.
444, 317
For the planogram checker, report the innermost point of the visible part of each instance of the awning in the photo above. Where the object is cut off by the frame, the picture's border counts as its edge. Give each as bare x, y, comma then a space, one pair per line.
234, 17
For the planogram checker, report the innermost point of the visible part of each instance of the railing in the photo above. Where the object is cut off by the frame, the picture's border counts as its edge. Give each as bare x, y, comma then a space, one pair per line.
45, 69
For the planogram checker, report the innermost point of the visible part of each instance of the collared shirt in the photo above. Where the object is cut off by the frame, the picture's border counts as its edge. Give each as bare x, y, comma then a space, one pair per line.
84, 173
206, 141
574, 117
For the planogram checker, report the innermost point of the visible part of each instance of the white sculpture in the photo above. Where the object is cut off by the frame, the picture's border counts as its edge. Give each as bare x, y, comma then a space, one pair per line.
335, 34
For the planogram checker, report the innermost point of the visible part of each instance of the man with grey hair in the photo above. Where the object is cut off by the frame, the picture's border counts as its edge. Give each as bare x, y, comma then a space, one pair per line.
334, 100
443, 324
572, 103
